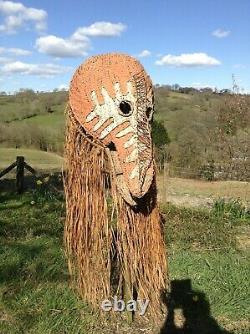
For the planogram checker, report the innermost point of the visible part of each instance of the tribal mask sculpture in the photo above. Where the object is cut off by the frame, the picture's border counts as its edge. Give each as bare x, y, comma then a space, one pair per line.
113, 234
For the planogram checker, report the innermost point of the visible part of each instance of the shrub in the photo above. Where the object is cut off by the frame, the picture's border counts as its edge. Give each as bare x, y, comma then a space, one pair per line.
232, 208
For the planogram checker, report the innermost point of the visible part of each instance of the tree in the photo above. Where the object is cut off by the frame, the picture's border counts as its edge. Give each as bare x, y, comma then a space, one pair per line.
175, 87
159, 134
25, 95
47, 102
233, 136
160, 140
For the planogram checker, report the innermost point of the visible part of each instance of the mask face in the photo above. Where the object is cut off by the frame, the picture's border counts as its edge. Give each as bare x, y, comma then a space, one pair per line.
111, 96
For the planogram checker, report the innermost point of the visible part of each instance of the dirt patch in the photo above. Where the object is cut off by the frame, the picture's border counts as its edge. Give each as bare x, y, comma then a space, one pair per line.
188, 200
198, 193
243, 238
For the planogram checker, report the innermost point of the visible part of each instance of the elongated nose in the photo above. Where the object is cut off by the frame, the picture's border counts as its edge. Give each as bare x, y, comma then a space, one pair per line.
135, 159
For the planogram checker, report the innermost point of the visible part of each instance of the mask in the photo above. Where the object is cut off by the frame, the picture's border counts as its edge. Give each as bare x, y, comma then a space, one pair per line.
116, 232
111, 96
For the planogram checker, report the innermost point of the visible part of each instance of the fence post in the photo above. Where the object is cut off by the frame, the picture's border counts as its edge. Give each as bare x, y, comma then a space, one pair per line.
19, 174
164, 182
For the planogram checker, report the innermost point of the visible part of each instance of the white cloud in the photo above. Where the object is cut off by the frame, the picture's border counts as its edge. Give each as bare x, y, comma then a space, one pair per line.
199, 85
9, 7
78, 43
5, 60
45, 70
220, 33
63, 87
59, 47
15, 51
100, 29
16, 15
144, 53
19, 52
188, 60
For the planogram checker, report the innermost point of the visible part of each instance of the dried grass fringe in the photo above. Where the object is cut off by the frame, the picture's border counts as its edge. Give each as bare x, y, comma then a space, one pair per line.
92, 238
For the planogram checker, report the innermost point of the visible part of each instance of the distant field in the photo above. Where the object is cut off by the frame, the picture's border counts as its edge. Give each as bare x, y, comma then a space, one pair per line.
54, 121
189, 192
11, 111
37, 159
20, 107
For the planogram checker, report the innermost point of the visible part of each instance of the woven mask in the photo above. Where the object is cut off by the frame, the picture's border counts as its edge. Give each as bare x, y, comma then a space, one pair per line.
113, 235
112, 98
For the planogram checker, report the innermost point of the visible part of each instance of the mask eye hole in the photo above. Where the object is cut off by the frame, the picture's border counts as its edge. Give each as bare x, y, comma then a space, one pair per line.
149, 113
125, 108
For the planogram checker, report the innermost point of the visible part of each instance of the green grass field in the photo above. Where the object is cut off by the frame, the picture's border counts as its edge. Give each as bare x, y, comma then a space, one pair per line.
37, 159
16, 108
54, 121
208, 271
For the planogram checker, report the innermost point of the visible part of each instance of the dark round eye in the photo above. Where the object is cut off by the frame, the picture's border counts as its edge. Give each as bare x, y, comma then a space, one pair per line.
149, 112
125, 108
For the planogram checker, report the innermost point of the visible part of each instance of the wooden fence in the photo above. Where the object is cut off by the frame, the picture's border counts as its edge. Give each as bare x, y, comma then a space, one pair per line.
20, 166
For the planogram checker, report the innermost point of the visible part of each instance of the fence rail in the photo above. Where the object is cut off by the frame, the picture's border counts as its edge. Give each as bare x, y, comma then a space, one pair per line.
214, 173
20, 166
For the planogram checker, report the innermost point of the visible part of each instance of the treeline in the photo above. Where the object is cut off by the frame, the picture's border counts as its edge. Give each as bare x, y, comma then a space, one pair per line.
193, 90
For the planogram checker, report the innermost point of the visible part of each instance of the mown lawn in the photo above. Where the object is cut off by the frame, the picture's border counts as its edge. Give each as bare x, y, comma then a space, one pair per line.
208, 271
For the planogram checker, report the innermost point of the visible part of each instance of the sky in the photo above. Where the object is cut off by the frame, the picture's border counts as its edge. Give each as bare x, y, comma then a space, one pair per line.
188, 42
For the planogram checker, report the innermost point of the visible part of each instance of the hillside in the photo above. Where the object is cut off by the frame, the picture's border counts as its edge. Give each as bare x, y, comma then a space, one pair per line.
202, 127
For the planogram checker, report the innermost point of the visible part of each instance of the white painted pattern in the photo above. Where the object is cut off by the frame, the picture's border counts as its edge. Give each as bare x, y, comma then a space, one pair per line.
110, 111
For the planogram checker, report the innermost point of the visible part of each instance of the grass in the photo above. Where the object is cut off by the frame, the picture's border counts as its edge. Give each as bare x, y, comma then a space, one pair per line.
36, 297
54, 121
37, 159
21, 106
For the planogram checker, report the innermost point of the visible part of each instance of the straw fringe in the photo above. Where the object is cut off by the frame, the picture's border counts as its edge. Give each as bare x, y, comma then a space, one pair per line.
141, 251
98, 231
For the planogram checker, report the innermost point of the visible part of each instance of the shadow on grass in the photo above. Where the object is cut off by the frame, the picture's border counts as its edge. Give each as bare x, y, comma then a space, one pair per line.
8, 185
31, 239
189, 311
20, 228
32, 262
5, 194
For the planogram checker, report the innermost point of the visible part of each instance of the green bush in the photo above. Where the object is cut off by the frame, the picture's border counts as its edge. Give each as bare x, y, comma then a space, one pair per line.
159, 134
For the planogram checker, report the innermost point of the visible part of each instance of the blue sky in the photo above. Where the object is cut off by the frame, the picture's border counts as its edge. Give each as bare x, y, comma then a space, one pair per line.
192, 43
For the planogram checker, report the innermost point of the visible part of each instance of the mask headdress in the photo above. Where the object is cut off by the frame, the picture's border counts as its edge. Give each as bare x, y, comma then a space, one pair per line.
109, 130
